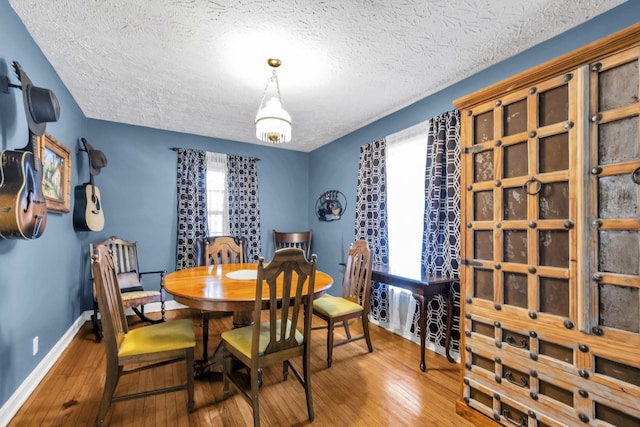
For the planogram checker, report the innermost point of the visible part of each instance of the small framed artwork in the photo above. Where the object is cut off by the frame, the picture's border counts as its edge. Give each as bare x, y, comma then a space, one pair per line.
56, 173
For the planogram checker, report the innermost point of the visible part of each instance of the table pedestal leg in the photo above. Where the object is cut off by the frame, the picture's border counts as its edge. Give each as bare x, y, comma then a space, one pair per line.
242, 318
200, 367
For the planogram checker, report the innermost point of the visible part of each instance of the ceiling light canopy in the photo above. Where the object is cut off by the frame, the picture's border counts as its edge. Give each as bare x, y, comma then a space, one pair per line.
273, 123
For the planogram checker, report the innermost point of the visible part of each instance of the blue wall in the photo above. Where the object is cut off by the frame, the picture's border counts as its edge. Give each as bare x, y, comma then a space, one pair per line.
44, 284
335, 166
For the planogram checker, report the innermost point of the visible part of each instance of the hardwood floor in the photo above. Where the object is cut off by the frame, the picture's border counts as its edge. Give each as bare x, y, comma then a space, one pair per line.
383, 388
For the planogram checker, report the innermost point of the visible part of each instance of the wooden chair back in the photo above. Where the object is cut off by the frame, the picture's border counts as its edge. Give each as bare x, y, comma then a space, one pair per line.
125, 260
107, 293
289, 273
126, 265
295, 239
357, 275
224, 250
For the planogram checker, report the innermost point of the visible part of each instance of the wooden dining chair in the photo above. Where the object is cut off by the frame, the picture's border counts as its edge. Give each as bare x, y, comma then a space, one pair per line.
277, 340
216, 250
224, 250
146, 347
134, 295
354, 302
294, 239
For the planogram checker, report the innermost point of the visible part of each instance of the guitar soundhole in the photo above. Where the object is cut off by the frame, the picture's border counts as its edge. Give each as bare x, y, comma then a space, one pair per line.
96, 202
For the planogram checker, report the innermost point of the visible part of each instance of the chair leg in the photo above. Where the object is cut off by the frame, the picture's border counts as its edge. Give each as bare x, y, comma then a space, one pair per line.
226, 369
347, 331
95, 321
306, 367
329, 343
255, 403
191, 406
110, 383
365, 329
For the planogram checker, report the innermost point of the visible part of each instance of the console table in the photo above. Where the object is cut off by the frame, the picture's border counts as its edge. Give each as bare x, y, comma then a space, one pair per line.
423, 288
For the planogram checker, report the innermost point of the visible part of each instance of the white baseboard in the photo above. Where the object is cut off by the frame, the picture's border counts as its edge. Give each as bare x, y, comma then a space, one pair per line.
15, 402
416, 339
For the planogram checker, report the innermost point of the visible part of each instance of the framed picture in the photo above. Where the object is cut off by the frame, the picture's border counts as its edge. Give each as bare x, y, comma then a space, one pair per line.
56, 173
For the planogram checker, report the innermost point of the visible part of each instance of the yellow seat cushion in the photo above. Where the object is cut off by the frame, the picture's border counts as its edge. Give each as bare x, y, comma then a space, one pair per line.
166, 336
128, 296
335, 306
240, 338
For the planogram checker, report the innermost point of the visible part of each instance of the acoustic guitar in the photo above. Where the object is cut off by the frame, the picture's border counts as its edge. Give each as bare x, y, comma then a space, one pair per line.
23, 208
87, 210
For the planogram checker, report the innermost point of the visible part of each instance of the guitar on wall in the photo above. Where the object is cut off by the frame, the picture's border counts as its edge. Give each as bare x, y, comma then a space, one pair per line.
87, 211
23, 208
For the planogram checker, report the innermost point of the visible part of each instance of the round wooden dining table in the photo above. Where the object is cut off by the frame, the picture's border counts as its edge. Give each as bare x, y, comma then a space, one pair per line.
225, 287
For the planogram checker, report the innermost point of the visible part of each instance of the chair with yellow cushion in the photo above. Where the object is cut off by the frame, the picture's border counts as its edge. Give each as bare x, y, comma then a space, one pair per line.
130, 351
215, 250
354, 302
277, 340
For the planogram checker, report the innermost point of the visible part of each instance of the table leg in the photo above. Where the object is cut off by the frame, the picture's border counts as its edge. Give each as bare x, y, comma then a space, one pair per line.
422, 322
447, 340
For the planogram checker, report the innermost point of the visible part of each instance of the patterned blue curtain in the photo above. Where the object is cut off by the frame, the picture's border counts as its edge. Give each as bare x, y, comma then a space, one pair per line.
441, 238
192, 205
371, 217
244, 206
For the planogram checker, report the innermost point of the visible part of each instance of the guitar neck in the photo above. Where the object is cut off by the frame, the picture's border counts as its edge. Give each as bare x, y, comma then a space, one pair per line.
93, 187
33, 146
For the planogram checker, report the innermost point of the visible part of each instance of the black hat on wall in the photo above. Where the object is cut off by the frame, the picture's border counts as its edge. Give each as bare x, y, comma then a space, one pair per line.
97, 159
40, 105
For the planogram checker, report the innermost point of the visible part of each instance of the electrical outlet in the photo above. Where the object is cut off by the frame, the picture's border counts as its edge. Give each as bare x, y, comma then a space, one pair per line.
35, 346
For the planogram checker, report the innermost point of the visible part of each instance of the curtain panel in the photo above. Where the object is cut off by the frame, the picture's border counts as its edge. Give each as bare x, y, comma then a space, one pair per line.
371, 218
192, 205
441, 237
244, 206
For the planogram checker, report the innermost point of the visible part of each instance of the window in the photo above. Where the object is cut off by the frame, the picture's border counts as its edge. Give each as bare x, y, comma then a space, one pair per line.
406, 162
217, 199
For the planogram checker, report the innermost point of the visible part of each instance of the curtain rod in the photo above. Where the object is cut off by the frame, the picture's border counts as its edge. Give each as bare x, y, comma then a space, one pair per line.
178, 148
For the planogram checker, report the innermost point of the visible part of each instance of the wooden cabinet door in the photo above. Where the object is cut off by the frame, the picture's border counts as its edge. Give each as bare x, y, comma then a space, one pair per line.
519, 205
614, 209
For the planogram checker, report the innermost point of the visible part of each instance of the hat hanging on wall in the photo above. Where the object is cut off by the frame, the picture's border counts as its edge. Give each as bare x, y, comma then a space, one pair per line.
97, 159
40, 105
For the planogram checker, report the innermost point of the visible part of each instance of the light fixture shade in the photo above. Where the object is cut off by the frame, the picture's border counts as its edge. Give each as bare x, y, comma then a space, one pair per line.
273, 123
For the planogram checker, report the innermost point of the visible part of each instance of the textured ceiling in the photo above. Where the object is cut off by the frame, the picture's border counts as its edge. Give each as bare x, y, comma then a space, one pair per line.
199, 66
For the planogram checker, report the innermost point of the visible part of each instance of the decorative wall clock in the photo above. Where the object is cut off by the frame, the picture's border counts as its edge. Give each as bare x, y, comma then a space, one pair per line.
331, 205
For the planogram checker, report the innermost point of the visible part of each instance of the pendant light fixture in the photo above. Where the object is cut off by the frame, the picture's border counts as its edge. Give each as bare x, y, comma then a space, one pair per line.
273, 123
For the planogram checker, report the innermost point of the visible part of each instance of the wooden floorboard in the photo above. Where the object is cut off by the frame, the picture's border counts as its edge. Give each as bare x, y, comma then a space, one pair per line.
383, 388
